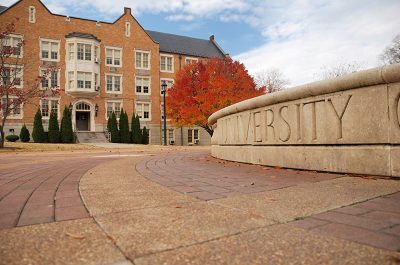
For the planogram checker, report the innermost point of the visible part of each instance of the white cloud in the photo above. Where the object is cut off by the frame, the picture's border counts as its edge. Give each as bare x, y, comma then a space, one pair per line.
309, 36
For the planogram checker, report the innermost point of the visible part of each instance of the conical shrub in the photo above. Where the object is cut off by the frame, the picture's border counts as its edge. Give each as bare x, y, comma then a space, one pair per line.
38, 134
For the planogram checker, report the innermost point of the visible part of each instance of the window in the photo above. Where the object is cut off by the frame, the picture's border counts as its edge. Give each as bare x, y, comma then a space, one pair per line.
143, 110
84, 52
190, 60
13, 42
14, 109
170, 135
113, 83
169, 82
12, 75
47, 106
84, 80
167, 63
71, 51
50, 80
71, 80
127, 29
142, 85
113, 57
32, 14
193, 136
96, 54
113, 106
49, 50
142, 60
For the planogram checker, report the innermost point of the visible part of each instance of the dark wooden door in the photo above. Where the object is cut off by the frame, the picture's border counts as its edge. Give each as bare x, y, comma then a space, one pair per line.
82, 120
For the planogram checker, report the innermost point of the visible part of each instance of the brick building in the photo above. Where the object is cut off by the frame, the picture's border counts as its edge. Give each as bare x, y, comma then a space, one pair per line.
103, 67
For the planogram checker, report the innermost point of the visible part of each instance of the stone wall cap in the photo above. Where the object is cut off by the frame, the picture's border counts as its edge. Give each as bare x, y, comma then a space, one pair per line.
381, 75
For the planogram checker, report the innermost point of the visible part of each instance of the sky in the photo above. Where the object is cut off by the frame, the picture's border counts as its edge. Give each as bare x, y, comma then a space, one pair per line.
301, 38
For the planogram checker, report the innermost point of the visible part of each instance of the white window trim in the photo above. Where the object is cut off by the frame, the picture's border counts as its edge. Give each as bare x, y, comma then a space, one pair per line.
143, 102
165, 79
168, 138
192, 59
105, 56
113, 101
12, 37
141, 93
143, 51
167, 55
49, 78
198, 135
58, 109
21, 74
34, 14
105, 82
14, 116
40, 50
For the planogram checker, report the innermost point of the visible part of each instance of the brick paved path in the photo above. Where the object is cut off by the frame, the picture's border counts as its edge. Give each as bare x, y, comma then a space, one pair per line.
33, 192
375, 222
204, 177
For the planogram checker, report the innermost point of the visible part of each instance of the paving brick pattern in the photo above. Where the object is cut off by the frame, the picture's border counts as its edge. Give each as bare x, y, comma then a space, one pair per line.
41, 192
204, 177
375, 222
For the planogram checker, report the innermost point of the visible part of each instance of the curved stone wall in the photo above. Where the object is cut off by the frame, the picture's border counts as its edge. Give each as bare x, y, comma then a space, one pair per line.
350, 124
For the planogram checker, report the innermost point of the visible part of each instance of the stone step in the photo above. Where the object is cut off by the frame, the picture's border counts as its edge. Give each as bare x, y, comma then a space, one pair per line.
91, 137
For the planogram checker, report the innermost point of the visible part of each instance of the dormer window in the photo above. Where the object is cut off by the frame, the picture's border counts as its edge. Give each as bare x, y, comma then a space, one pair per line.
32, 14
127, 29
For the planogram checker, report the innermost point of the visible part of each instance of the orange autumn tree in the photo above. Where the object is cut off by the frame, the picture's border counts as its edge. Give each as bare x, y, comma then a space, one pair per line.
202, 88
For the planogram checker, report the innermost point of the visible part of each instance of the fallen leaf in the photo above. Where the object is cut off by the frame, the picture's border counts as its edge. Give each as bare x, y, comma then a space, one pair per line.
75, 236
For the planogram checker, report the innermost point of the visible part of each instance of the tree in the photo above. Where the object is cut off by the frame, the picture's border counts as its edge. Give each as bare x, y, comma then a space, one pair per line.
145, 136
113, 128
329, 72
12, 96
136, 131
124, 127
202, 88
272, 79
24, 135
54, 129
66, 132
391, 54
38, 134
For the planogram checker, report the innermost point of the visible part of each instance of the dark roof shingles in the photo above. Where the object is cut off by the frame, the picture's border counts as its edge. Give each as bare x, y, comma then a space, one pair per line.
2, 8
185, 45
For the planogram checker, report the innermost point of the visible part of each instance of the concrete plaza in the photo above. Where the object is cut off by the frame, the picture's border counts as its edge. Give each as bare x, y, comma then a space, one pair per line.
155, 205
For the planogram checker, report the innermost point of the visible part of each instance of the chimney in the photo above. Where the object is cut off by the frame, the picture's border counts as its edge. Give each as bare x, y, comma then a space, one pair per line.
127, 10
211, 37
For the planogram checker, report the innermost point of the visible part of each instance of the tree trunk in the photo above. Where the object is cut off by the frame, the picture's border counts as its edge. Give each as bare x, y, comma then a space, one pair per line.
2, 137
208, 129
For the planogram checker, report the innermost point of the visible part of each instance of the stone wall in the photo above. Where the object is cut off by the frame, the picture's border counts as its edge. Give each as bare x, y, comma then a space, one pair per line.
349, 124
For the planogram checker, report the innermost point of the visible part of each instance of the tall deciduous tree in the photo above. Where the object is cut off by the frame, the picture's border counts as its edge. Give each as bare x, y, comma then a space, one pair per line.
272, 79
333, 71
391, 54
202, 88
14, 93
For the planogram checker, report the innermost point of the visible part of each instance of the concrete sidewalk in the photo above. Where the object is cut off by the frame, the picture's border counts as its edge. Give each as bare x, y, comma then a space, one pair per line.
135, 220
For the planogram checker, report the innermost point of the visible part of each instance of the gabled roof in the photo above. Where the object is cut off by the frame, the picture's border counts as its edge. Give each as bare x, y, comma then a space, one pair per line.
186, 45
2, 8
82, 35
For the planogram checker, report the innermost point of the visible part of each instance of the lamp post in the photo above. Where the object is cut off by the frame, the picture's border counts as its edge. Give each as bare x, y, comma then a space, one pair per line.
164, 91
96, 109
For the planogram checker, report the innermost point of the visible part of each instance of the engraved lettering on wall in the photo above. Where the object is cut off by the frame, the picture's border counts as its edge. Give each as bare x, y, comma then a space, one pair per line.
396, 110
313, 117
269, 127
339, 114
287, 131
257, 126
